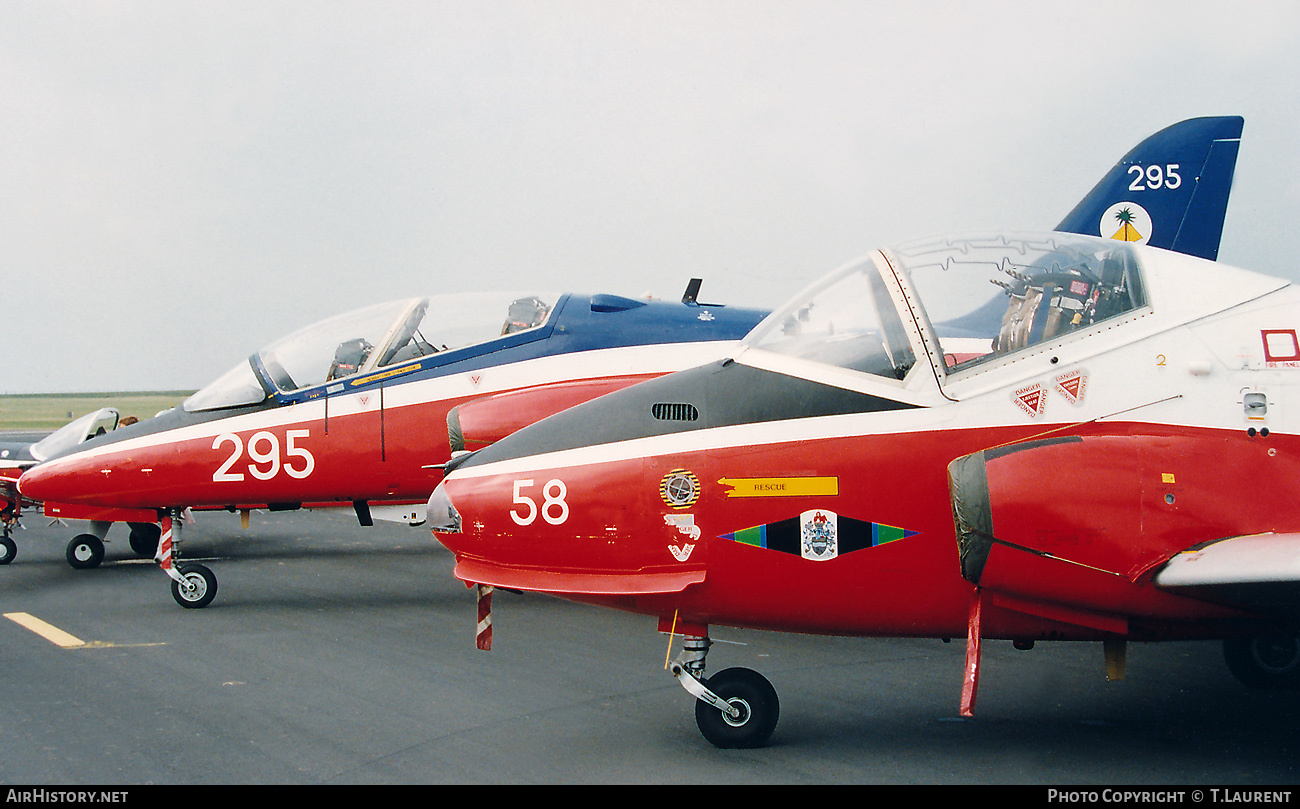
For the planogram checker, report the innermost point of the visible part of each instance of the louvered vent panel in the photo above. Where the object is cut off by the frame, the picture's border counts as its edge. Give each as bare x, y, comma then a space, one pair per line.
672, 411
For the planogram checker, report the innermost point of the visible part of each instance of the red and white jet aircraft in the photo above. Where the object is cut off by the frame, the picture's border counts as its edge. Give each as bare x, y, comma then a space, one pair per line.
352, 411
364, 408
1011, 436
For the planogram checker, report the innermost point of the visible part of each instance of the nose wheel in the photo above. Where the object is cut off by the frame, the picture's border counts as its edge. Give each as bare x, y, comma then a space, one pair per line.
735, 708
754, 709
193, 585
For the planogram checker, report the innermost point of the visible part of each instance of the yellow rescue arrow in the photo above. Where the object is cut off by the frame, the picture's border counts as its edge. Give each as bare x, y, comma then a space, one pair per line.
782, 487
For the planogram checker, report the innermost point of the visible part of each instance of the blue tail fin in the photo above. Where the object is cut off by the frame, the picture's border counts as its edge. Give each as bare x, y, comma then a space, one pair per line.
1170, 191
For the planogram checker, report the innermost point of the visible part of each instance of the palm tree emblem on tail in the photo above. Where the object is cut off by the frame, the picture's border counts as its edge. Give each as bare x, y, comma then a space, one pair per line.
1127, 232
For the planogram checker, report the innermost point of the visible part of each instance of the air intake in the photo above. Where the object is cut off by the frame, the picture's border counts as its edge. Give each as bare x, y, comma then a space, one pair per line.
674, 412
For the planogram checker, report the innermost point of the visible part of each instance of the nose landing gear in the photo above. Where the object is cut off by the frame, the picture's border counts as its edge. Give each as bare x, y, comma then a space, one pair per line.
735, 708
193, 585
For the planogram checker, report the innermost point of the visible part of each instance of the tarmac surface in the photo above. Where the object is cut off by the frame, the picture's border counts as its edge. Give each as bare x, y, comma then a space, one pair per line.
341, 654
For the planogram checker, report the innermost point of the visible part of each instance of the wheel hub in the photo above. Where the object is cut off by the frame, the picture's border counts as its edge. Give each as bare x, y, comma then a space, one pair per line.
742, 713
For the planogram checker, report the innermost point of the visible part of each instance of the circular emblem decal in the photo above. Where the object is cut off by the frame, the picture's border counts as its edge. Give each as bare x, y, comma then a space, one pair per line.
680, 488
1126, 222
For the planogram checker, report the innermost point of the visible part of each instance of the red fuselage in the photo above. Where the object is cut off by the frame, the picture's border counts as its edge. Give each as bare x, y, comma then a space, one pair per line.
864, 465
603, 532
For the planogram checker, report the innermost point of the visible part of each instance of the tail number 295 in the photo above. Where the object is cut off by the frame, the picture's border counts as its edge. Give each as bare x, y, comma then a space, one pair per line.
264, 455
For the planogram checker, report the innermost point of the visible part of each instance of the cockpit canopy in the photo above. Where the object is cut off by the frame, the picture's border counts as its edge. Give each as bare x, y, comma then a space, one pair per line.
966, 301
385, 335
103, 420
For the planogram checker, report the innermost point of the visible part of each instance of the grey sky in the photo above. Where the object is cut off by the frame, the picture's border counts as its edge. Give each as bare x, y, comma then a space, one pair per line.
182, 182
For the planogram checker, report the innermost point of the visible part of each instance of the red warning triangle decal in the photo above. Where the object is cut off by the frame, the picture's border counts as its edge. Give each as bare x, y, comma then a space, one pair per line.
1072, 386
1031, 399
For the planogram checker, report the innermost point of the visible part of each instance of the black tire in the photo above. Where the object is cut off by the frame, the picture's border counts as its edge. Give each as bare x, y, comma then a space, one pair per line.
144, 539
1264, 662
202, 590
8, 550
85, 551
756, 698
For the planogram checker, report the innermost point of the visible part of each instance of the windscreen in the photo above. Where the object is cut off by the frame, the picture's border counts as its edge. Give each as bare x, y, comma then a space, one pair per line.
848, 321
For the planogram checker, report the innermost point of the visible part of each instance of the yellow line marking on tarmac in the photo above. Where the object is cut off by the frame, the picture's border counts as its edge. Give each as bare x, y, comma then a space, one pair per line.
51, 633
62, 639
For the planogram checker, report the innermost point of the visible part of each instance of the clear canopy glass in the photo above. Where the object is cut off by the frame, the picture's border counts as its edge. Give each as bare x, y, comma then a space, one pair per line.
380, 336
986, 297
980, 297
75, 432
848, 320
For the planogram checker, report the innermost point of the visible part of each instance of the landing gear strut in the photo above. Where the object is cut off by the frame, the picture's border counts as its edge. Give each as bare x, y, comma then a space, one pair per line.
193, 585
736, 707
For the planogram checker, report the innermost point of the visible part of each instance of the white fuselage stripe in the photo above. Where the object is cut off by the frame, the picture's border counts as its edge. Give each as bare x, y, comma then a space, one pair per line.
596, 363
